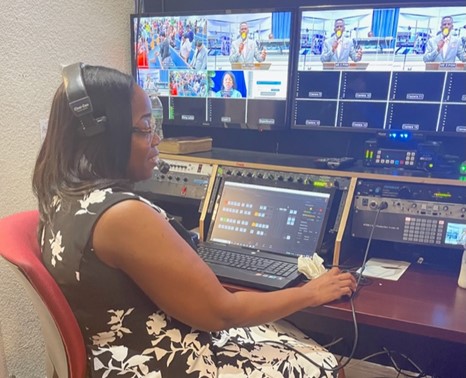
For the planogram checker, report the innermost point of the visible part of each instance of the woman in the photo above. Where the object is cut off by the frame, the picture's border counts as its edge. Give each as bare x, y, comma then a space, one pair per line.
228, 86
142, 52
147, 305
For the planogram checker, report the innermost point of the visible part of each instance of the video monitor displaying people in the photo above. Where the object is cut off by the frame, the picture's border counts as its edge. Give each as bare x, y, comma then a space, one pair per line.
232, 67
393, 61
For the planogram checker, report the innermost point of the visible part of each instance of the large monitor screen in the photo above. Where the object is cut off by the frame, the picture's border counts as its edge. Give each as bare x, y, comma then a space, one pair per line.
381, 68
216, 70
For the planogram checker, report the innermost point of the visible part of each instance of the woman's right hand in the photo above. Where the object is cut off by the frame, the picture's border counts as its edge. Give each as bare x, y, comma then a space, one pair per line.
330, 286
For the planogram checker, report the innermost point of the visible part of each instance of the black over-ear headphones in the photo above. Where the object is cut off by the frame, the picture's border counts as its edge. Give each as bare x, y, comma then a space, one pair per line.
79, 101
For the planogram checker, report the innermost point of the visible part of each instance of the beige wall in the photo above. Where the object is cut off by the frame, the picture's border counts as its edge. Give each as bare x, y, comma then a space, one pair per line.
36, 37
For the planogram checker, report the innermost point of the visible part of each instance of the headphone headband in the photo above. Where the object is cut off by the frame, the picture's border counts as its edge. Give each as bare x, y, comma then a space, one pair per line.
79, 101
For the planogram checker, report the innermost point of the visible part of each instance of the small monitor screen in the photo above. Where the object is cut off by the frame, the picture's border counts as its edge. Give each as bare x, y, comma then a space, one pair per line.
455, 88
456, 234
273, 219
218, 70
417, 86
318, 85
367, 86
407, 64
316, 113
453, 118
412, 117
361, 115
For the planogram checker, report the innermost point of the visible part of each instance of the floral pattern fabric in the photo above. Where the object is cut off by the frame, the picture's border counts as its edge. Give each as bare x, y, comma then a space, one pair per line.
127, 335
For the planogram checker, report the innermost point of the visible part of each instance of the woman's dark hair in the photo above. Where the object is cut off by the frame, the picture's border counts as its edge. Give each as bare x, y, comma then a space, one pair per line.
233, 78
71, 165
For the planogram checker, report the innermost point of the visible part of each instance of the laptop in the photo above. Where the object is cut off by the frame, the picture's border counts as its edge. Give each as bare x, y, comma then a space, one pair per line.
258, 231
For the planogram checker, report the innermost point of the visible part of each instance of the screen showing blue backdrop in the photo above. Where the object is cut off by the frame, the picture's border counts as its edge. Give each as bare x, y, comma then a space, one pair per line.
376, 69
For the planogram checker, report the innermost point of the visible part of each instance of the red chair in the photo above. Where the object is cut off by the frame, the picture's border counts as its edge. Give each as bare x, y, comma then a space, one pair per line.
66, 353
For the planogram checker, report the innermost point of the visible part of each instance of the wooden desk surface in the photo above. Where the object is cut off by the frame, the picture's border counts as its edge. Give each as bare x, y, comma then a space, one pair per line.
423, 303
428, 304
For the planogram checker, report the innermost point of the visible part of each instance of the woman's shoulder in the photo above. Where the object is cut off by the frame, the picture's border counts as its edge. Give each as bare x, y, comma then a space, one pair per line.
99, 200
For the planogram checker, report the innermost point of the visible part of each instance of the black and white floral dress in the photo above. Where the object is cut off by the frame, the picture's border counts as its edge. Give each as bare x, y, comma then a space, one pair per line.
126, 335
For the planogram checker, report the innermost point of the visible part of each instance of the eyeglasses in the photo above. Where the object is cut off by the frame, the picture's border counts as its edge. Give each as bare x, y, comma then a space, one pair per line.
150, 128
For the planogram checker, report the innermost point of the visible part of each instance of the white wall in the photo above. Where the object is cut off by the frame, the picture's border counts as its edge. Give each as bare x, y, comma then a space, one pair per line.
36, 37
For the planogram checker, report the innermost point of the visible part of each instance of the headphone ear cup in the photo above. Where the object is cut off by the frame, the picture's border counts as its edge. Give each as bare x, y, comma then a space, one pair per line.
80, 102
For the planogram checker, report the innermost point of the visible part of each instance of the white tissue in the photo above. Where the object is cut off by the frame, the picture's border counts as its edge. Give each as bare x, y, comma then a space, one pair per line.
311, 266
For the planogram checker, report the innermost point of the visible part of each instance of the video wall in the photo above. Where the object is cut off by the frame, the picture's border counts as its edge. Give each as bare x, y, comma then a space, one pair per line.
218, 70
373, 69
355, 69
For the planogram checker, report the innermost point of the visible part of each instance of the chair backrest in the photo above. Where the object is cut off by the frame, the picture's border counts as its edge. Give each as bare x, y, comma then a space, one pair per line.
63, 339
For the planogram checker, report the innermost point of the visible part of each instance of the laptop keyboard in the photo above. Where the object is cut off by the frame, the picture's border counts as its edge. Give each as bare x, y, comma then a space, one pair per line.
246, 262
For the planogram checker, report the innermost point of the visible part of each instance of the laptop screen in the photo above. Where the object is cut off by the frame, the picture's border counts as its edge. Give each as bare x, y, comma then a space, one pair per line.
280, 220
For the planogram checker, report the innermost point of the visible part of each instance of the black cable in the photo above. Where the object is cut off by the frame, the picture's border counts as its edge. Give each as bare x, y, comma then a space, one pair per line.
332, 343
398, 369
395, 365
365, 281
383, 205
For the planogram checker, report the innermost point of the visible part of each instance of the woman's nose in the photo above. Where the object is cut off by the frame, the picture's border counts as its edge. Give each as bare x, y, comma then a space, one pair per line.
156, 139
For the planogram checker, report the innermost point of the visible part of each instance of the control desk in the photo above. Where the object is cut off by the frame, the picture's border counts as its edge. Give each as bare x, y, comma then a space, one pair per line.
420, 211
421, 220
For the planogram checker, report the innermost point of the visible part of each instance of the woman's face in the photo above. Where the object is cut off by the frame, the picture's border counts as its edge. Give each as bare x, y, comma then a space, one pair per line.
144, 141
227, 82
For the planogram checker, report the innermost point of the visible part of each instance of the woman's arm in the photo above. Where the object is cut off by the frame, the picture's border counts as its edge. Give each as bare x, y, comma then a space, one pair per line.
135, 238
